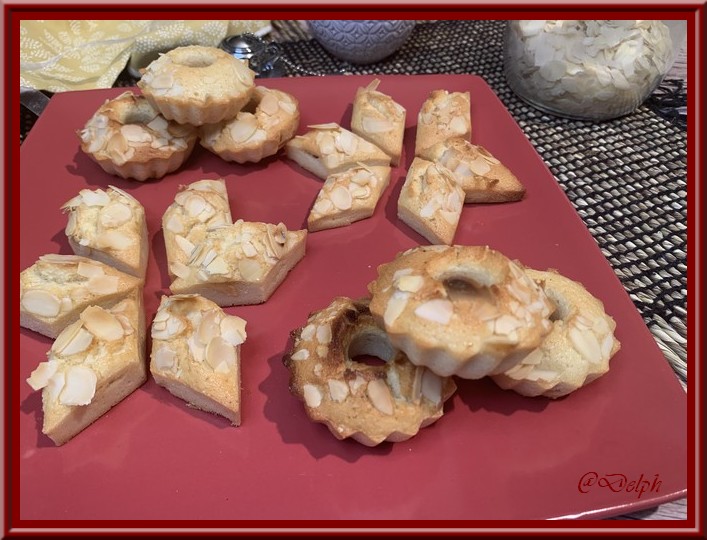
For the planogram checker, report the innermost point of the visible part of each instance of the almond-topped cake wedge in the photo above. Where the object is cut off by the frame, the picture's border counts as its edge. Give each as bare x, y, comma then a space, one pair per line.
196, 354
94, 364
109, 226
196, 208
431, 201
240, 264
444, 115
329, 149
483, 178
348, 196
379, 119
57, 288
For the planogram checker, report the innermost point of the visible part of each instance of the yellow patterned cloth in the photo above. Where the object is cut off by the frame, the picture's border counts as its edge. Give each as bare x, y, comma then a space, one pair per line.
81, 55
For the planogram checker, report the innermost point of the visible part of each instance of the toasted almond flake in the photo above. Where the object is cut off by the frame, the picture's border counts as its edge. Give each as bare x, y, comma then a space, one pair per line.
194, 205
250, 269
135, 133
249, 249
330, 125
432, 387
356, 383
346, 142
94, 198
79, 387
55, 385
429, 209
458, 125
73, 340
542, 374
380, 396
209, 327
607, 344
308, 332
89, 270
312, 395
40, 377
41, 303
70, 224
416, 391
586, 344
164, 359
269, 104
180, 270
322, 206
103, 284
196, 349
115, 214
66, 303
324, 334
102, 323
371, 124
219, 350
449, 217
409, 283
218, 266
394, 308
439, 310
185, 245
338, 390
479, 166
233, 329
114, 239
359, 192
302, 354
505, 324
243, 128
341, 198
158, 123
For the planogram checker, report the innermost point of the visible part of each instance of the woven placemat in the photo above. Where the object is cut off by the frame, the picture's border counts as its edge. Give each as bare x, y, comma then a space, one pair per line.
626, 177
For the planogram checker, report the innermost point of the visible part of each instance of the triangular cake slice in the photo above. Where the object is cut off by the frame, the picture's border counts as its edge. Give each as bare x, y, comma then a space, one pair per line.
93, 365
329, 149
240, 264
379, 119
196, 208
109, 226
443, 115
431, 201
196, 354
347, 197
57, 288
483, 178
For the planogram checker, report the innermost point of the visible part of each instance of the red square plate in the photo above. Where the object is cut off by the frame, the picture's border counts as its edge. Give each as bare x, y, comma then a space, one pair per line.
493, 455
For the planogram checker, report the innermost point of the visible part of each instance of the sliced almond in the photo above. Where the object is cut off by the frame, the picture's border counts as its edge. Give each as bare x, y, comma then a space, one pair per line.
55, 385
338, 390
479, 166
432, 387
220, 351
174, 224
312, 395
324, 334
269, 104
218, 266
40, 377
243, 128
94, 198
102, 323
394, 308
458, 125
376, 125
103, 284
341, 198
250, 269
380, 396
164, 359
586, 344
416, 391
439, 310
308, 332
409, 283
89, 270
302, 354
41, 303
233, 329
114, 239
72, 340
79, 387
209, 327
185, 245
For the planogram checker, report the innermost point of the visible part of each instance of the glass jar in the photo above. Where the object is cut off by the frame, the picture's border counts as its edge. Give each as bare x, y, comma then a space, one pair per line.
589, 70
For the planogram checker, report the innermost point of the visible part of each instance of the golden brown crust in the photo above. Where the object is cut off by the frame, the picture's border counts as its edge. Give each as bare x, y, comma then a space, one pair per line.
460, 310
258, 131
369, 403
483, 178
198, 85
129, 138
575, 352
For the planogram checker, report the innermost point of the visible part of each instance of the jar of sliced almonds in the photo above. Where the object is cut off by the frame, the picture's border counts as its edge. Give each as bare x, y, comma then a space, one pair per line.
589, 70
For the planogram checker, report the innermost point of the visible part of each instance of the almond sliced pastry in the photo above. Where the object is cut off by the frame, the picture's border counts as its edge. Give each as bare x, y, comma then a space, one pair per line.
483, 178
379, 119
109, 226
93, 365
197, 207
444, 115
347, 197
431, 201
57, 288
329, 149
240, 264
196, 354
